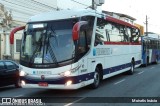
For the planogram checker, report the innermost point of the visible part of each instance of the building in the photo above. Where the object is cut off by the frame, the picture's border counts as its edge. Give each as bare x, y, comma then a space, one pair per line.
121, 16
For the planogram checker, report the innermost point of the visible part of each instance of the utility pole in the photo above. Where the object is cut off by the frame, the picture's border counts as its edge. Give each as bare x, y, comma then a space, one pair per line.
93, 5
146, 25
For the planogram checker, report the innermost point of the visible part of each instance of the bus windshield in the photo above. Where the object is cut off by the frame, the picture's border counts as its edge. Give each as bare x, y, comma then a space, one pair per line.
48, 42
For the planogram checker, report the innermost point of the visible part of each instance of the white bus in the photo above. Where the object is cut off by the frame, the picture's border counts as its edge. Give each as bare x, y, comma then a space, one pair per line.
70, 49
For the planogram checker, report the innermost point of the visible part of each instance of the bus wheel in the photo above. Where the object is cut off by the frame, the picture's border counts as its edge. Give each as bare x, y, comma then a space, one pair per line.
96, 79
131, 71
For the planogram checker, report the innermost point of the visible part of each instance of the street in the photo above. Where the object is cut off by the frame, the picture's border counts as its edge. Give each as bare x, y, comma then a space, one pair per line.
143, 83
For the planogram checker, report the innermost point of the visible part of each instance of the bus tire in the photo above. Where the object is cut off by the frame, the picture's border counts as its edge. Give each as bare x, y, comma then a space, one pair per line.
131, 71
96, 79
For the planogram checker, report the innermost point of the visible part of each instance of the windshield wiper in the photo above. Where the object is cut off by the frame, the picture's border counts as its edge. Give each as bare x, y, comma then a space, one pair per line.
53, 34
38, 47
49, 48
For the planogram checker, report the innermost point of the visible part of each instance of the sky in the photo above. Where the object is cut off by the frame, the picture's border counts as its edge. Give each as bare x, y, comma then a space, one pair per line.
137, 9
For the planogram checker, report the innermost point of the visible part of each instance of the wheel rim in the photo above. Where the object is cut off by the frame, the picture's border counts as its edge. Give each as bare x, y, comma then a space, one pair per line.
96, 78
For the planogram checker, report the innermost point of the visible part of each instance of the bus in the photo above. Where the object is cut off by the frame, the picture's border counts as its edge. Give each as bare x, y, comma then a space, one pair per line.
70, 49
150, 49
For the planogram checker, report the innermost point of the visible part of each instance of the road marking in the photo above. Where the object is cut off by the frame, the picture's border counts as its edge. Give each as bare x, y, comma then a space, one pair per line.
152, 67
18, 95
119, 81
74, 101
141, 72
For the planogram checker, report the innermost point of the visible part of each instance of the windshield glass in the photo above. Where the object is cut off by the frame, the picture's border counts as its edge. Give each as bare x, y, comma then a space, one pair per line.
48, 42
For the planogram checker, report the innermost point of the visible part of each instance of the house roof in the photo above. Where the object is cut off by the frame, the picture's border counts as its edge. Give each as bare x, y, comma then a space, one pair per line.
119, 14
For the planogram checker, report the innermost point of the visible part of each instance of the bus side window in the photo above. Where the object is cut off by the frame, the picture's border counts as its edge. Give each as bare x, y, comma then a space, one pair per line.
101, 32
128, 33
125, 33
82, 42
115, 35
89, 36
108, 29
135, 34
98, 40
89, 29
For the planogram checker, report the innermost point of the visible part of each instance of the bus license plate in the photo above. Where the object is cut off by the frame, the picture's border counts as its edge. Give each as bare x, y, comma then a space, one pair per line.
45, 84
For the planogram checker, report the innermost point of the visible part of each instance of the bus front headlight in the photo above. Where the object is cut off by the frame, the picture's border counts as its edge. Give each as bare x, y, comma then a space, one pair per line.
66, 73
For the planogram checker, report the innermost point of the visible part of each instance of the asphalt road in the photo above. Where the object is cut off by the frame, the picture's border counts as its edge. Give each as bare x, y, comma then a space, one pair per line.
145, 82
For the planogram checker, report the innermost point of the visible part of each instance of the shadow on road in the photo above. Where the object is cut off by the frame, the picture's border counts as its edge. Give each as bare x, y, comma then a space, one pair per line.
2, 89
60, 93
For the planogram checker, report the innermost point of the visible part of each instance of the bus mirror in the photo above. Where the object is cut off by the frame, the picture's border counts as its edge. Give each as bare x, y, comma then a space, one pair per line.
76, 29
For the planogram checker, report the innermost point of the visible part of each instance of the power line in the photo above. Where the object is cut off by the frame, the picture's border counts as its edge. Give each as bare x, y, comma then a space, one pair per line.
35, 7
25, 11
20, 11
43, 4
19, 5
80, 3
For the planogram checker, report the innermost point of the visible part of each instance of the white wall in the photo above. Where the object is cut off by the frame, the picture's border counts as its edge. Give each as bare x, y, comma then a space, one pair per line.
23, 9
18, 35
2, 48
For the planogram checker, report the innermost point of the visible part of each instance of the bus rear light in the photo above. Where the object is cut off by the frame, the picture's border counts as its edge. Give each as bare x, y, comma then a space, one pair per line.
68, 83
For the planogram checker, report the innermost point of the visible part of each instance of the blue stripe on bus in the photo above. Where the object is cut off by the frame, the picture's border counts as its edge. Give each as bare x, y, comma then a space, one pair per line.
120, 67
80, 78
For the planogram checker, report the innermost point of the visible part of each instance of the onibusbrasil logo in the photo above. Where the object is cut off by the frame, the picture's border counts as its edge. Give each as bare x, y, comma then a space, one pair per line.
21, 101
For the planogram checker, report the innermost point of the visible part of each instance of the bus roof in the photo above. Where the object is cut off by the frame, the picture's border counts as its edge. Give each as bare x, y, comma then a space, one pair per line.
66, 14
151, 36
62, 14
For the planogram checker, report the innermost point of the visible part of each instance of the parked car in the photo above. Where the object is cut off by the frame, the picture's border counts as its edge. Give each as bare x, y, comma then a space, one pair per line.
9, 73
